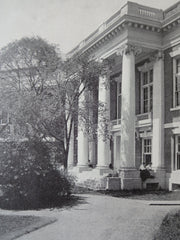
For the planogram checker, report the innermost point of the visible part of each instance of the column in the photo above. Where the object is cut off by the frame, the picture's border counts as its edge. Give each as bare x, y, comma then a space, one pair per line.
93, 125
71, 149
127, 152
158, 113
82, 133
103, 123
129, 175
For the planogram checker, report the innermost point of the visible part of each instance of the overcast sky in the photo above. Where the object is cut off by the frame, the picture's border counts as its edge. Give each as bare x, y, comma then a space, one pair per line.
64, 22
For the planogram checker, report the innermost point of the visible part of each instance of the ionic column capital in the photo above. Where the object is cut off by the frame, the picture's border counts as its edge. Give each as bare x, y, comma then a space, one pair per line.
127, 49
157, 56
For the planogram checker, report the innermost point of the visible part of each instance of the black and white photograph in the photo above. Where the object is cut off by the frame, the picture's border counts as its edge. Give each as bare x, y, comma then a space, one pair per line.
89, 120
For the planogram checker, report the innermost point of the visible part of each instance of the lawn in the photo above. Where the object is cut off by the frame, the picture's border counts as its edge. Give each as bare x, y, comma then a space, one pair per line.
159, 195
170, 227
12, 226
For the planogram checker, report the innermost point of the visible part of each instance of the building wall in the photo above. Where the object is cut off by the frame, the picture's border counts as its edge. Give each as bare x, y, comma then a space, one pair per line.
167, 150
170, 116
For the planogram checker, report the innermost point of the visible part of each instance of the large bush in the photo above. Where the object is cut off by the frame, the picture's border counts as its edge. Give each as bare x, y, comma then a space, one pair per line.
28, 177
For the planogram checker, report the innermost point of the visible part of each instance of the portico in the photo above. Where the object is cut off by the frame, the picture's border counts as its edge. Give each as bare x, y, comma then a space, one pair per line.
130, 127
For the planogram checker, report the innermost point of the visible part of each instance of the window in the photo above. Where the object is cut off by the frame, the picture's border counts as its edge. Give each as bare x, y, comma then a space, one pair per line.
176, 82
115, 98
147, 91
118, 100
175, 54
177, 153
147, 150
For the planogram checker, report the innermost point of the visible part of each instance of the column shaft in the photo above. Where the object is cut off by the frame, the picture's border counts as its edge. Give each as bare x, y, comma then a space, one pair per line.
127, 152
158, 114
103, 123
82, 133
71, 149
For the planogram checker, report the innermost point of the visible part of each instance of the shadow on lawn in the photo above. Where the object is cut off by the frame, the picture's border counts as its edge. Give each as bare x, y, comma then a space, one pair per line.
73, 201
144, 194
63, 202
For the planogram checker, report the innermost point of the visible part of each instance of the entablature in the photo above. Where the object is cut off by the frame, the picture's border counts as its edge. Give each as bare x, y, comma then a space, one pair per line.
130, 16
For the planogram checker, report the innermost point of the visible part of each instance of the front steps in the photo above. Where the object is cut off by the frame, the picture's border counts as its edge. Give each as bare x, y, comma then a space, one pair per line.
94, 179
91, 179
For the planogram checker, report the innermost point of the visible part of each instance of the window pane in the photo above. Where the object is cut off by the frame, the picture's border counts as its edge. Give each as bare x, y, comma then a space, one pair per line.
177, 98
178, 160
147, 145
145, 78
178, 66
119, 88
151, 98
151, 76
179, 148
119, 107
145, 109
147, 159
177, 84
145, 90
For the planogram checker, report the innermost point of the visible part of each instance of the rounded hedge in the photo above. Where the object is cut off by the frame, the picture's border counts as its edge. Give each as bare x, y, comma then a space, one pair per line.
29, 179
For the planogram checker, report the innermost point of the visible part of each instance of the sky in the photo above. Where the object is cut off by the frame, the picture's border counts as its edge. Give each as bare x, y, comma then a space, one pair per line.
62, 22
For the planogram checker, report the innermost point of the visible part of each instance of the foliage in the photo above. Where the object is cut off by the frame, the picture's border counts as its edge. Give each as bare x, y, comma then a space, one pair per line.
41, 92
31, 77
29, 178
170, 227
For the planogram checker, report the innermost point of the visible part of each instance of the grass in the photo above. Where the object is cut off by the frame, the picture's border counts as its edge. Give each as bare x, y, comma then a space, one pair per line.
12, 226
159, 195
170, 227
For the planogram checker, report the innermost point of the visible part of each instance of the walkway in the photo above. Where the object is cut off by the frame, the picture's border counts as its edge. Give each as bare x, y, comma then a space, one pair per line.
101, 217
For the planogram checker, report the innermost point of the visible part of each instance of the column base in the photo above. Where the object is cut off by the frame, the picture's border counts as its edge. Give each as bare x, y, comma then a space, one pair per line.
130, 179
158, 182
160, 176
102, 170
82, 168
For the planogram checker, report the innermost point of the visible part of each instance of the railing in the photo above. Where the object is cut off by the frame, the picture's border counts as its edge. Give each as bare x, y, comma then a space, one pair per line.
143, 116
147, 13
139, 118
173, 10
116, 122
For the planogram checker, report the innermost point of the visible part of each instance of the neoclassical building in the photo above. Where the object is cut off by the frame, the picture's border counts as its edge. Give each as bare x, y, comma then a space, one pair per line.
143, 99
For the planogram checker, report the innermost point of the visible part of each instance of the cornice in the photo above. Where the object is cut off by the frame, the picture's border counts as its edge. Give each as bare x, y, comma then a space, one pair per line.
125, 25
130, 16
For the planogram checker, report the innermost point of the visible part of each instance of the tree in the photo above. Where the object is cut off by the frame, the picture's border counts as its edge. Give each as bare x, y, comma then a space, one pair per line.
81, 78
41, 92
30, 89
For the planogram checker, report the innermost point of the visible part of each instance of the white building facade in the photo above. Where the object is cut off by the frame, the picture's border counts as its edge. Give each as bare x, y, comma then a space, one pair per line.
142, 99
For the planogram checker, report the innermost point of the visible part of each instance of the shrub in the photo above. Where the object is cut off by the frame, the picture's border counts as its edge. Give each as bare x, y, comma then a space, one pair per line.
28, 177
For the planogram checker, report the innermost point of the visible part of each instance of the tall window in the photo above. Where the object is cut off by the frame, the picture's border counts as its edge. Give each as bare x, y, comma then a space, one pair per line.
115, 97
147, 150
177, 82
177, 152
118, 100
147, 91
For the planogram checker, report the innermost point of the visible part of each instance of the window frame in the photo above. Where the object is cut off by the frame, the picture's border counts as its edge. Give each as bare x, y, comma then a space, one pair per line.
176, 77
119, 97
149, 86
177, 152
148, 146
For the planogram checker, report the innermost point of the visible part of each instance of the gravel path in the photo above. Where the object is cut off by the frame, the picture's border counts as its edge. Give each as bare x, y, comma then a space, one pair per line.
100, 217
